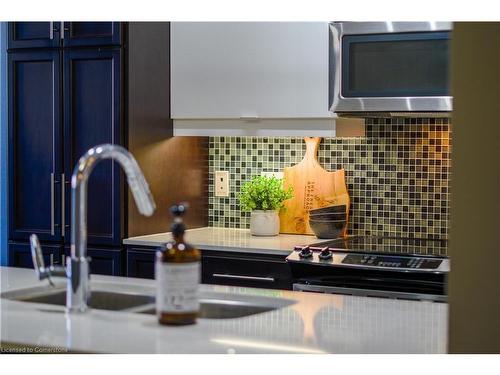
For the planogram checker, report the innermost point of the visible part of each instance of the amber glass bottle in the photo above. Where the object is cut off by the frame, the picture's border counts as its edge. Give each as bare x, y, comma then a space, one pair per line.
177, 273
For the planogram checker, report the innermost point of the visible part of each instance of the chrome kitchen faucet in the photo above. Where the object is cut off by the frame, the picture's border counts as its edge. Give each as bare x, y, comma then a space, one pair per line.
77, 269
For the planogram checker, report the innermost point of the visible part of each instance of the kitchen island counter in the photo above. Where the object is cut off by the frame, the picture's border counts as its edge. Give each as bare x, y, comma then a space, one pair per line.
309, 323
229, 239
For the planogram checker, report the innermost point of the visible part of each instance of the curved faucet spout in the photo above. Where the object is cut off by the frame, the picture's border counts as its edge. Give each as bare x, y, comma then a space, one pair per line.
83, 169
78, 264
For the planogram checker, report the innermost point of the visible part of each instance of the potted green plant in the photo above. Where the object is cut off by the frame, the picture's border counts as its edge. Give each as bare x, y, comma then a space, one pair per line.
264, 197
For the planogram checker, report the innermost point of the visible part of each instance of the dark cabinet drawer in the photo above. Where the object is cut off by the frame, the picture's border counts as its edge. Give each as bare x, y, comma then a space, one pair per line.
249, 271
223, 268
103, 261
20, 254
141, 263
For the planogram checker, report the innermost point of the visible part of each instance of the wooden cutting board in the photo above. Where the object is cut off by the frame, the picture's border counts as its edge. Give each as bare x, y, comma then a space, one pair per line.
313, 187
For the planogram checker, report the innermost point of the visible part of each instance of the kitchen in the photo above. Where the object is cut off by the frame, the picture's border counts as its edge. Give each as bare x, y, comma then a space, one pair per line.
241, 103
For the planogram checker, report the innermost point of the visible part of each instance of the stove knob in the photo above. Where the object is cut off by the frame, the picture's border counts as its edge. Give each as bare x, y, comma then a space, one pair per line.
305, 252
325, 254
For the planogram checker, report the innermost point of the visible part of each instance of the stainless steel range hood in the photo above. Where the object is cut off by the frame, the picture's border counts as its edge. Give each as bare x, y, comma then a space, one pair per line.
388, 114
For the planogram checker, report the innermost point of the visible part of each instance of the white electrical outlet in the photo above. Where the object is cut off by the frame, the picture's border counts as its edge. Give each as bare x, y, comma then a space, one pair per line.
278, 175
221, 183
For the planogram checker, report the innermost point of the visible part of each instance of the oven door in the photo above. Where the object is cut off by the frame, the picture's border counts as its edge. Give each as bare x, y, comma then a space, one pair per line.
390, 67
365, 292
369, 283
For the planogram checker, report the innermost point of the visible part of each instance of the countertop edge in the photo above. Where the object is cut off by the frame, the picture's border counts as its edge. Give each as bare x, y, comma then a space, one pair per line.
153, 242
268, 251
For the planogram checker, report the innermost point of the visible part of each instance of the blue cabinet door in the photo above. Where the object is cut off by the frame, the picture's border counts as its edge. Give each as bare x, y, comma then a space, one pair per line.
141, 262
92, 116
103, 261
78, 34
34, 34
20, 254
35, 162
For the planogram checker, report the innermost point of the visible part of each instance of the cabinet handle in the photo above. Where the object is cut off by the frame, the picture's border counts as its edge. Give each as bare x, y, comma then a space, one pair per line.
51, 260
63, 198
241, 277
63, 30
52, 225
51, 30
63, 260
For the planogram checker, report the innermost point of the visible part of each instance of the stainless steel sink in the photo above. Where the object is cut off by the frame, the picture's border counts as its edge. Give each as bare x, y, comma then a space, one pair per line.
213, 305
103, 300
219, 309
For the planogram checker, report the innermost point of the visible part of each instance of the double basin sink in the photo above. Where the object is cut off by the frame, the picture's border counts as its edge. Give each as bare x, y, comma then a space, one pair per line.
130, 298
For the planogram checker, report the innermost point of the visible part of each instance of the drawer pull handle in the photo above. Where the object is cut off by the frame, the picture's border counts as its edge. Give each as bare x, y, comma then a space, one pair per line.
63, 202
52, 210
241, 277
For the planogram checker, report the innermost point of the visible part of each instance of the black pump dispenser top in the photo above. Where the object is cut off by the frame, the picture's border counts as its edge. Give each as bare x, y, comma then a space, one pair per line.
178, 210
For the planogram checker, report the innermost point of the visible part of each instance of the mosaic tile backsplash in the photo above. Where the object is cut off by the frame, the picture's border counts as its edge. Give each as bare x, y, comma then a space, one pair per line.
398, 175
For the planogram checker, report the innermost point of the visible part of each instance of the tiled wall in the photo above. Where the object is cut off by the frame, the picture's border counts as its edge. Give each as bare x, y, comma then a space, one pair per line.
398, 174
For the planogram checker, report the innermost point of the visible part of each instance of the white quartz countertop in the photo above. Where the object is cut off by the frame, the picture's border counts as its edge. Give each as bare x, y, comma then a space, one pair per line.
229, 239
312, 323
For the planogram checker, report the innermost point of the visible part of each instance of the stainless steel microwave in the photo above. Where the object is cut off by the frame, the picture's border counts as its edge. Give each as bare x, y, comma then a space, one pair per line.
390, 68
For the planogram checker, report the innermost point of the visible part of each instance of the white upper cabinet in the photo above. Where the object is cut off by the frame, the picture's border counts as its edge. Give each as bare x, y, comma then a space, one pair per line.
233, 70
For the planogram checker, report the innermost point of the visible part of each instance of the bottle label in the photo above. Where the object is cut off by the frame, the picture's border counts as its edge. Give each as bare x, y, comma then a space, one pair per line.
177, 287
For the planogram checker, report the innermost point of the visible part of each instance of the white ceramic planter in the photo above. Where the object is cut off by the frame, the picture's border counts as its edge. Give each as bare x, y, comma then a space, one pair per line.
264, 223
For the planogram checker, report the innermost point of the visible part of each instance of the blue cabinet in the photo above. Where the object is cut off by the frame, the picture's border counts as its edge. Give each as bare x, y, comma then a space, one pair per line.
141, 262
35, 135
62, 101
34, 34
63, 34
42, 160
103, 261
91, 34
74, 85
92, 116
20, 254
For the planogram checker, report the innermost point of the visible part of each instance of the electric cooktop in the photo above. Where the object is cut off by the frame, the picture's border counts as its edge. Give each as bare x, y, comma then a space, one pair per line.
385, 245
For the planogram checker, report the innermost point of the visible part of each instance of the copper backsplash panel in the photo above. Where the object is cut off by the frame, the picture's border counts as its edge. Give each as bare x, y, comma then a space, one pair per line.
176, 170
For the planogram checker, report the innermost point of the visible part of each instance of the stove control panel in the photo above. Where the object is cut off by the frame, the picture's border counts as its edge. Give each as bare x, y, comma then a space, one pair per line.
392, 261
